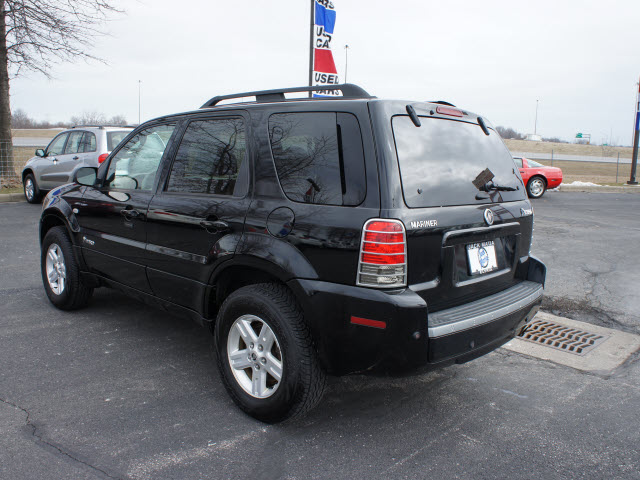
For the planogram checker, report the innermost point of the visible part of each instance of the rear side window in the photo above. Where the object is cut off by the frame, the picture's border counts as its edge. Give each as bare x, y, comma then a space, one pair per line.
210, 157
115, 137
88, 143
518, 162
440, 161
319, 157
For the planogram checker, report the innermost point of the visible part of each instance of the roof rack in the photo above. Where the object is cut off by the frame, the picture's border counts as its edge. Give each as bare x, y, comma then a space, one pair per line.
349, 90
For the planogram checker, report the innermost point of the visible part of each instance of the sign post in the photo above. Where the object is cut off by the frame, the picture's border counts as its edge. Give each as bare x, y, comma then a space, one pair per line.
636, 134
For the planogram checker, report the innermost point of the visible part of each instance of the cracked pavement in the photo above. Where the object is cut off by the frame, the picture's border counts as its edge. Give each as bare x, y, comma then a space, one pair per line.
120, 390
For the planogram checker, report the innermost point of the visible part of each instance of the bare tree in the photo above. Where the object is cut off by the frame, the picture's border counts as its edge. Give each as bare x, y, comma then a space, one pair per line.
89, 118
34, 35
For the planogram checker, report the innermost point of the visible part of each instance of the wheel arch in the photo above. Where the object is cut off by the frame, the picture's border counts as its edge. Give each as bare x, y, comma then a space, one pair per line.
26, 172
54, 217
241, 271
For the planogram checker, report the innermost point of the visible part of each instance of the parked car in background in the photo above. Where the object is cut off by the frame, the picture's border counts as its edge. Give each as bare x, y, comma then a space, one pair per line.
537, 177
81, 146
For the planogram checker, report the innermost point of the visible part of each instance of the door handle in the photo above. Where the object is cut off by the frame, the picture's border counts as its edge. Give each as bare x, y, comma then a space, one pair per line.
76, 157
129, 213
216, 226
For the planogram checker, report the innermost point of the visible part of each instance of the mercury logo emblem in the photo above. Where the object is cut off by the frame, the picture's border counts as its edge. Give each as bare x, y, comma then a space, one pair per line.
483, 257
488, 216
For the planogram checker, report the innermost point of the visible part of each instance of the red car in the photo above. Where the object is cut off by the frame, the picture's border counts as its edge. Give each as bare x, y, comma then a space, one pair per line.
538, 177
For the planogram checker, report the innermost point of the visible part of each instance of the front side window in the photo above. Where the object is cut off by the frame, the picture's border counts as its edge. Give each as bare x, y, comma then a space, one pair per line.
518, 162
56, 147
135, 165
319, 157
73, 145
210, 157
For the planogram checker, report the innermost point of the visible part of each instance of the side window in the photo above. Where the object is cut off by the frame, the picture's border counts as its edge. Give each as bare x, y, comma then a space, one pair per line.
319, 157
209, 158
88, 143
57, 145
74, 142
518, 162
136, 163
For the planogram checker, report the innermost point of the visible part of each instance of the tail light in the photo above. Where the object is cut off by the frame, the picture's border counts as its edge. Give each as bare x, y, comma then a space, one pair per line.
102, 157
383, 254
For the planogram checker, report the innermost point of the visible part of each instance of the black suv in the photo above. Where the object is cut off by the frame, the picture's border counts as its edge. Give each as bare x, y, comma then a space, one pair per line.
312, 235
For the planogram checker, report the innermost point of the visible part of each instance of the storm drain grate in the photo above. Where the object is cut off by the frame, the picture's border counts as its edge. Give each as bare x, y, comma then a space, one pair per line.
563, 338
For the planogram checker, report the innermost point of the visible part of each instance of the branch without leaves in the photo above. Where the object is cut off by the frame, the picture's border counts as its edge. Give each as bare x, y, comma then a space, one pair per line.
41, 33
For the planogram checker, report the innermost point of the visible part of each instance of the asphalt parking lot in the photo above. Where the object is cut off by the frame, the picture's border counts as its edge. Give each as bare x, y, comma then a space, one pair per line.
120, 390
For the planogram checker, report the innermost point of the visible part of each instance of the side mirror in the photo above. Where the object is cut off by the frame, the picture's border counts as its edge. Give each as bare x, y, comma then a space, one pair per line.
40, 152
86, 176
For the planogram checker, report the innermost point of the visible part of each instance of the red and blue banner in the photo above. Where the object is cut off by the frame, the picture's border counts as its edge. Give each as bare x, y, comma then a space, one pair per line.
324, 67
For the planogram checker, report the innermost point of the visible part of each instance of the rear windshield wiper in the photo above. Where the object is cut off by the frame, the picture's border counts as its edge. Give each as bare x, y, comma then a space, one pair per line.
500, 188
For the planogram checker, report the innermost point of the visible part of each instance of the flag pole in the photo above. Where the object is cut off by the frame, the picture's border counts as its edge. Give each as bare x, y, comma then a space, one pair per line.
311, 28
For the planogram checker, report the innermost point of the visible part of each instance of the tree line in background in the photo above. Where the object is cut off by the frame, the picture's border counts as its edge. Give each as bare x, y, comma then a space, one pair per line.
510, 133
20, 119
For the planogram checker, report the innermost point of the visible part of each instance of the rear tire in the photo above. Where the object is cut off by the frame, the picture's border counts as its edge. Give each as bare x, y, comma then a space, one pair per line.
536, 187
61, 273
247, 314
31, 191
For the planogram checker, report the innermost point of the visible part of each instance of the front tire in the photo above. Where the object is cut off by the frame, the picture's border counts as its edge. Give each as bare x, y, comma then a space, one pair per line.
265, 353
61, 273
536, 187
31, 191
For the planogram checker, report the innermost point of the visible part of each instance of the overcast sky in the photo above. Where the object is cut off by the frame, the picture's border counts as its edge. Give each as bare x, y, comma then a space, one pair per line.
581, 59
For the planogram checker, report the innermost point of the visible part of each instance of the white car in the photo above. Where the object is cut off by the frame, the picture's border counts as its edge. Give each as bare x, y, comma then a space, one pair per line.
74, 148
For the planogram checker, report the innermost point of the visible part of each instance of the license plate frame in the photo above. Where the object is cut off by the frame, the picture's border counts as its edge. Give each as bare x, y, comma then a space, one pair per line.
481, 257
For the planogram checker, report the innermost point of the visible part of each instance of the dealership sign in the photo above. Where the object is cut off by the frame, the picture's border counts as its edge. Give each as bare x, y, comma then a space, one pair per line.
324, 68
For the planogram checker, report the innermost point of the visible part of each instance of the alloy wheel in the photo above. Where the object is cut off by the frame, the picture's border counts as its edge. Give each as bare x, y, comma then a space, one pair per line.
537, 187
56, 269
254, 355
29, 188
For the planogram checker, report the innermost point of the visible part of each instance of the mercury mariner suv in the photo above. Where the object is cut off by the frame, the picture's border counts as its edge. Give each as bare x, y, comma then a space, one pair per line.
313, 236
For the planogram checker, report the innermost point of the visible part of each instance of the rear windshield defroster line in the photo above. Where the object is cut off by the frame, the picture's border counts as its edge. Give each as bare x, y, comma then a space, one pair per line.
440, 160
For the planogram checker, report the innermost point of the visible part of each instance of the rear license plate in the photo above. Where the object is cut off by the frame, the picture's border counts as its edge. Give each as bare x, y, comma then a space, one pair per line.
482, 257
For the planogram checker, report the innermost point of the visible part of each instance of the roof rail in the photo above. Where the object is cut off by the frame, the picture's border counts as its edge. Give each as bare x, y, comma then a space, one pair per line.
102, 127
349, 90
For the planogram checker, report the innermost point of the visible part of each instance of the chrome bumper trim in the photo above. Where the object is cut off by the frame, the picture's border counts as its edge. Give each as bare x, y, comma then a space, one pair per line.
485, 310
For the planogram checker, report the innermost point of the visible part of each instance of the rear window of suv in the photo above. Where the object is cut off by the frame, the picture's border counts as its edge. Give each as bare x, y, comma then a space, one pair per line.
115, 137
440, 160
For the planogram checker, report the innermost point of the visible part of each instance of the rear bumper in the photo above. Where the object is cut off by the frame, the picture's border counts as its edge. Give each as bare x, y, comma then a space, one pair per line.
461, 331
358, 329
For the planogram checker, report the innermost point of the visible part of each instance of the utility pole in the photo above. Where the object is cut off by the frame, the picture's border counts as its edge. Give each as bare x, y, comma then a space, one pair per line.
535, 125
139, 100
346, 61
636, 134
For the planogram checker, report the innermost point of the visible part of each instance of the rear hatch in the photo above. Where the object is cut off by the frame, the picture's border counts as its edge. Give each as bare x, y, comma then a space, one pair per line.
455, 187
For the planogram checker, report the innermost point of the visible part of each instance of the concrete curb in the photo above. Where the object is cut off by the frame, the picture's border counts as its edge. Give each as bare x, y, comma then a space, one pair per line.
600, 189
12, 197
